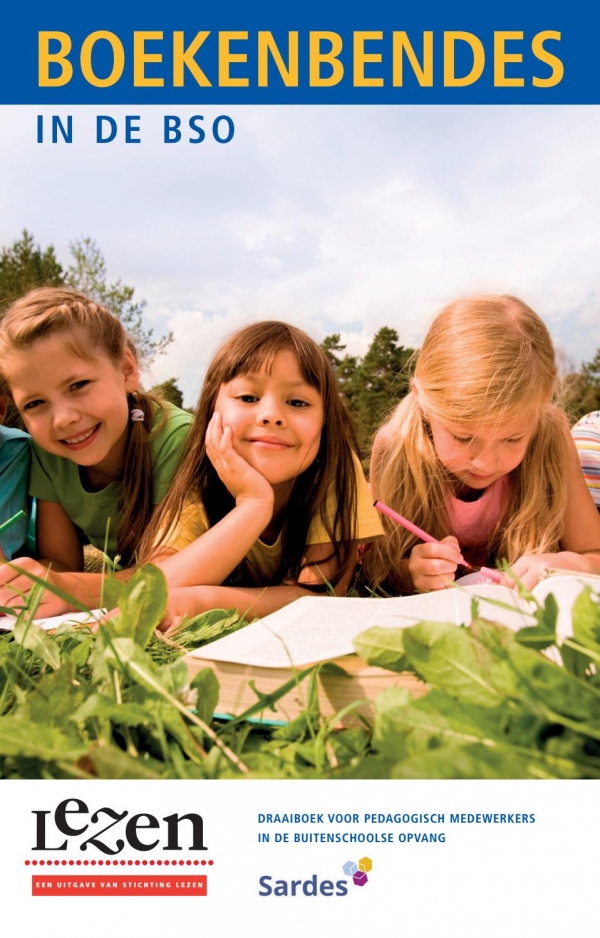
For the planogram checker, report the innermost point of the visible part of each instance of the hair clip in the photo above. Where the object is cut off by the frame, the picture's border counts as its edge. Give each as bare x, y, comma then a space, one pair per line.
137, 415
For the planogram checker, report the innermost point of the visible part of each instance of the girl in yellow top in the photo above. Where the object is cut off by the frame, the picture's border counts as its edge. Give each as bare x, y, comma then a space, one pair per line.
270, 500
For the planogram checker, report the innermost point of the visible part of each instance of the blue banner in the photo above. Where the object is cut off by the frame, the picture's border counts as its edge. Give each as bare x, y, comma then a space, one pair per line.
299, 53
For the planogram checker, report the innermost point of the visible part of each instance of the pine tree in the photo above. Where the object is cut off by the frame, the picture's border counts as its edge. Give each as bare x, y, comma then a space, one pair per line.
591, 375
383, 380
87, 273
345, 366
24, 265
169, 391
371, 386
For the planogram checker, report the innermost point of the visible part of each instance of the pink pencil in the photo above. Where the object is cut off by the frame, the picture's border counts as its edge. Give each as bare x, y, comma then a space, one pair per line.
424, 536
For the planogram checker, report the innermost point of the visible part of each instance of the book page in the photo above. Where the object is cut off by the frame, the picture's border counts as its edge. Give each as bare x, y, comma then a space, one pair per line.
318, 628
309, 629
565, 590
7, 623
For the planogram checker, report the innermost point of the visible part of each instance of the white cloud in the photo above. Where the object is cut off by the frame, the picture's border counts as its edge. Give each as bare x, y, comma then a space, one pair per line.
339, 219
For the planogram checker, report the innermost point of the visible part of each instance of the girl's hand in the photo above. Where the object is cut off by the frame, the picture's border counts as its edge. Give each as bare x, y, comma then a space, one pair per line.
187, 602
529, 567
184, 602
12, 584
432, 566
244, 482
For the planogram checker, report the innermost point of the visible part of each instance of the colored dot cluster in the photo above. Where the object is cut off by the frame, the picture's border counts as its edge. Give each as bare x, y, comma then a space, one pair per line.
358, 871
119, 862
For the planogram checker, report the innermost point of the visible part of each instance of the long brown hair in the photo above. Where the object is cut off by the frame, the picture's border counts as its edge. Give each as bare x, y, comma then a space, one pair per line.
88, 328
251, 350
485, 360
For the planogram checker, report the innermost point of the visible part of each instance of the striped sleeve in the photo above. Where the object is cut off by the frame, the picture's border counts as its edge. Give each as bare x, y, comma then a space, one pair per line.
586, 434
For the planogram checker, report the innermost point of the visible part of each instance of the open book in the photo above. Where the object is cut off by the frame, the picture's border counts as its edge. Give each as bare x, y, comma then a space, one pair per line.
317, 628
7, 623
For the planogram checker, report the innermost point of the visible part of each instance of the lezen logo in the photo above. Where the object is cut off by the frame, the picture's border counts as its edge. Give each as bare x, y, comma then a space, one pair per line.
106, 832
134, 826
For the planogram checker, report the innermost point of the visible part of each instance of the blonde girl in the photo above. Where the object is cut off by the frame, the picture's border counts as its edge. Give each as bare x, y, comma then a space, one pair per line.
270, 500
479, 456
104, 451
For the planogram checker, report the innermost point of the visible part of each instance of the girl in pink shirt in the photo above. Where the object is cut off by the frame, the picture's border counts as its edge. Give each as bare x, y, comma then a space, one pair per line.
479, 456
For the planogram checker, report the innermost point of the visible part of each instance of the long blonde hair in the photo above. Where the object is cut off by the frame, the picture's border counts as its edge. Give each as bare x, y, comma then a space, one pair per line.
88, 328
485, 360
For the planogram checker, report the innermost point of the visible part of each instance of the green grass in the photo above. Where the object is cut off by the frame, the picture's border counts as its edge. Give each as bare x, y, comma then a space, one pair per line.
117, 703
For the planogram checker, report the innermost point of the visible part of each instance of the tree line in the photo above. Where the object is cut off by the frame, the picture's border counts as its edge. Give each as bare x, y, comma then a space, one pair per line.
370, 385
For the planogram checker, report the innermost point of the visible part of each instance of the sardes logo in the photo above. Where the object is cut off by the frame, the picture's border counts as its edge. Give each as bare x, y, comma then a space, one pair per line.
314, 886
358, 871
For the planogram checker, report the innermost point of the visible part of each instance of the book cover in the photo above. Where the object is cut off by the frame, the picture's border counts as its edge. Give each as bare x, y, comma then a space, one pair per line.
349, 168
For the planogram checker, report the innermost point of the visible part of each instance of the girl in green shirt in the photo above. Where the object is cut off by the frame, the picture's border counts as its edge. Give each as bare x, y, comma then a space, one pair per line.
104, 451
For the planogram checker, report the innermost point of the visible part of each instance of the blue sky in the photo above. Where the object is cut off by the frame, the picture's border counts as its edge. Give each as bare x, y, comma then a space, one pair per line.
340, 219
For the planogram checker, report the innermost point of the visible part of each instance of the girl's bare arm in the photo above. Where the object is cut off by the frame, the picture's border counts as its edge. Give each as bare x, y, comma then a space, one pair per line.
255, 602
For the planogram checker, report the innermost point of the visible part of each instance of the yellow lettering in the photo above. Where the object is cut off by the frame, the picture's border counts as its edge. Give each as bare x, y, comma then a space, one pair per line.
226, 57
45, 57
501, 57
361, 57
558, 69
317, 57
266, 45
184, 58
86, 58
424, 73
140, 57
450, 39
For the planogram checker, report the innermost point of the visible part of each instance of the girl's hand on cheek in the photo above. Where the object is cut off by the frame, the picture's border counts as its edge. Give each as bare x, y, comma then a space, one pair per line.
432, 566
244, 482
